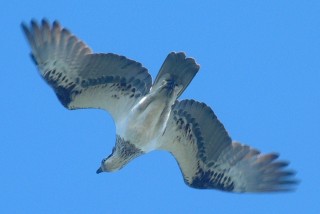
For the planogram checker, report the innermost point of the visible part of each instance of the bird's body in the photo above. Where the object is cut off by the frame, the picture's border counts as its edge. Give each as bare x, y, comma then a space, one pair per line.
149, 116
147, 119
140, 131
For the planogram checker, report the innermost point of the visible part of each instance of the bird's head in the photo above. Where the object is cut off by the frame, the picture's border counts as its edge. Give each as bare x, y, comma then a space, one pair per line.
111, 163
122, 153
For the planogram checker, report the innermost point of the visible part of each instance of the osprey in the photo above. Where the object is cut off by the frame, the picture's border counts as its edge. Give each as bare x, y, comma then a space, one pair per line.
148, 116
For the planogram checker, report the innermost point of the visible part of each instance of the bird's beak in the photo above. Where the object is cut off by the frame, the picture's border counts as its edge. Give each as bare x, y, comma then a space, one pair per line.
99, 170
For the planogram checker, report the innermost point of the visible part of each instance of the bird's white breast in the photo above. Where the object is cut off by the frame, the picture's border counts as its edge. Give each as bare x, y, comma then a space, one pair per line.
145, 123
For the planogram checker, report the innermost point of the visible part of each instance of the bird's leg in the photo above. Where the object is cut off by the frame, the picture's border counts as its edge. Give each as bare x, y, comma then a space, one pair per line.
171, 91
170, 86
167, 86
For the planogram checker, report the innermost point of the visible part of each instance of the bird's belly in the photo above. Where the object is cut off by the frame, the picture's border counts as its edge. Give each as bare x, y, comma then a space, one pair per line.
143, 127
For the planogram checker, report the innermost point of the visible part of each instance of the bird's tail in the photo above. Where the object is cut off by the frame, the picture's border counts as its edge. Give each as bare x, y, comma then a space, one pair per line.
177, 68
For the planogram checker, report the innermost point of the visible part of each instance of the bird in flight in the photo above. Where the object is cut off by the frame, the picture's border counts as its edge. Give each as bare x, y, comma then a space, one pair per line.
148, 116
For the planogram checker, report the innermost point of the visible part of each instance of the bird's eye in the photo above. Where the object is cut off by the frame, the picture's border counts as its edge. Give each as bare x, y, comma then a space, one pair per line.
103, 160
113, 149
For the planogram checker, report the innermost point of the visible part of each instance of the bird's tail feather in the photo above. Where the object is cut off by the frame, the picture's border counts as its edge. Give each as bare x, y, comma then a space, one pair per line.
178, 68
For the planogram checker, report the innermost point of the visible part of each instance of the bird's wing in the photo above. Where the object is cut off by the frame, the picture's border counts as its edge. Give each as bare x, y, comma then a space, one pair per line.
209, 159
82, 79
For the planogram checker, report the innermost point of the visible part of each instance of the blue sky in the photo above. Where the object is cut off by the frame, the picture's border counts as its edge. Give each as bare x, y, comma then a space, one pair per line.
259, 72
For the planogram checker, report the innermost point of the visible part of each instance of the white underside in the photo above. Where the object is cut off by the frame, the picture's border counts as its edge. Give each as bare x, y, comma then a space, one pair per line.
147, 120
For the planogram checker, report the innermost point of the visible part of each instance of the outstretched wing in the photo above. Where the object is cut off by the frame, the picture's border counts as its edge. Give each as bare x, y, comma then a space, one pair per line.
82, 79
208, 158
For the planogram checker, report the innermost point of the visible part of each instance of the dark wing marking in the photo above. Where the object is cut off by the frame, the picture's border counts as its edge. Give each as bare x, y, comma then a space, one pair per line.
82, 79
208, 158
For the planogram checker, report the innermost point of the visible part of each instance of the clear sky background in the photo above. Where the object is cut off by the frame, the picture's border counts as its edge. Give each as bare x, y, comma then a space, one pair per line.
260, 64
